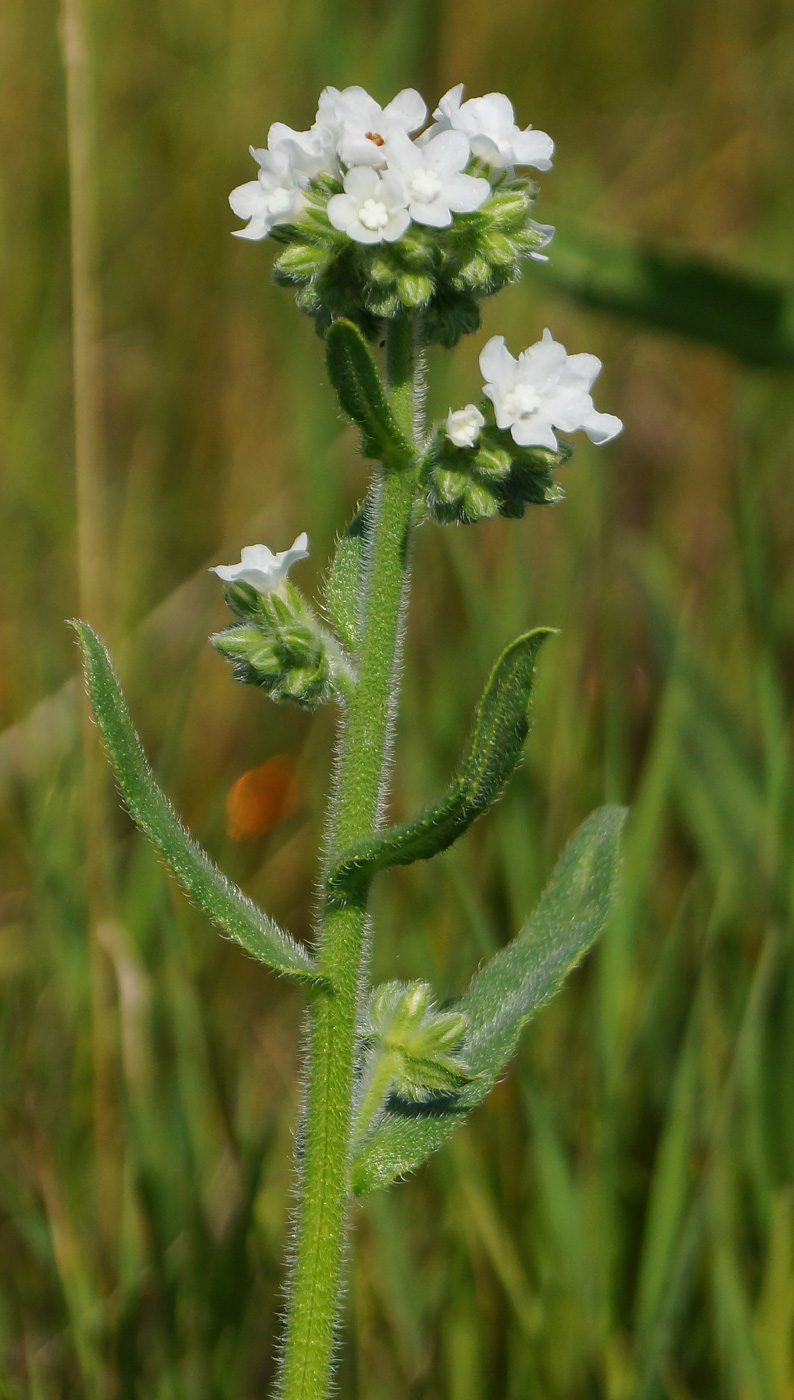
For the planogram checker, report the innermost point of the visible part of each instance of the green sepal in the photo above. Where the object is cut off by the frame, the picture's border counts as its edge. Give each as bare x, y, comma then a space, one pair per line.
500, 728
354, 375
503, 996
225, 904
344, 582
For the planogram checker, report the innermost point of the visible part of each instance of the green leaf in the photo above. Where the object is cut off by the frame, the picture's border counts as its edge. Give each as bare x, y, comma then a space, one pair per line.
500, 728
225, 904
344, 582
504, 995
354, 375
749, 316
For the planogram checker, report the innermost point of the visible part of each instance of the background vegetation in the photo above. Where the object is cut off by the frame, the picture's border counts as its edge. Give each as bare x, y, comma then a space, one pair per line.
618, 1222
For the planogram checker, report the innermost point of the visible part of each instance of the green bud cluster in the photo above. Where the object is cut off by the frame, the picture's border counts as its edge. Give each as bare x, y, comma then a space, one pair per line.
494, 477
278, 645
440, 274
420, 1043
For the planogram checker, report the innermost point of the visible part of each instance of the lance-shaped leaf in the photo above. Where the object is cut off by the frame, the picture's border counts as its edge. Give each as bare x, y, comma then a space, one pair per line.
504, 994
225, 904
500, 728
355, 377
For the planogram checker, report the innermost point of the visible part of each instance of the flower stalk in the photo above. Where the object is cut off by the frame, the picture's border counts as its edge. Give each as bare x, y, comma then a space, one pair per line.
328, 1120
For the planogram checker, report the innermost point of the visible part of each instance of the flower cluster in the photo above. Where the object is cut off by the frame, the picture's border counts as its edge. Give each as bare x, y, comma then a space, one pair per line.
498, 457
277, 643
380, 216
417, 1045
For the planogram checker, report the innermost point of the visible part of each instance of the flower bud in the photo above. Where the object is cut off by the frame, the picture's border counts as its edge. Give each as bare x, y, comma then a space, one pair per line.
302, 261
419, 1045
497, 249
415, 1001
414, 290
383, 271
507, 210
242, 599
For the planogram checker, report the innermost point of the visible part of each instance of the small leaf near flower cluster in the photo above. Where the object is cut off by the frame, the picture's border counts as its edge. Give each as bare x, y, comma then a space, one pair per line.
422, 1043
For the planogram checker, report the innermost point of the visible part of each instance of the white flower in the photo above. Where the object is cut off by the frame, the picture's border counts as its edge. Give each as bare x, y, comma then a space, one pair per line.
276, 197
491, 128
261, 568
544, 388
361, 127
463, 425
310, 152
433, 179
373, 208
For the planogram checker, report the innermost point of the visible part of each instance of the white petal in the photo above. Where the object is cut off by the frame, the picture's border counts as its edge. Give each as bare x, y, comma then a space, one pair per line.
544, 360
493, 111
357, 231
257, 556
496, 360
299, 549
449, 106
568, 409
327, 109
403, 157
258, 228
361, 182
503, 419
392, 191
408, 108
249, 200
398, 223
448, 151
342, 210
465, 193
533, 148
582, 370
535, 431
356, 106
602, 427
434, 215
546, 232
488, 151
228, 572
356, 149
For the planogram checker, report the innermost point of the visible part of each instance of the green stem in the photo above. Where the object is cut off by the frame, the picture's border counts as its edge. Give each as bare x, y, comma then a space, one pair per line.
373, 1091
322, 1214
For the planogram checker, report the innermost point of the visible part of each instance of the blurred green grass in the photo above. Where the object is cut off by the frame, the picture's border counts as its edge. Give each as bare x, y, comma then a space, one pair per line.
618, 1221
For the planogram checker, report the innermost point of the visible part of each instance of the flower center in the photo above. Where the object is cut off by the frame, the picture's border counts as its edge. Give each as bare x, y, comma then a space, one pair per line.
280, 201
375, 137
425, 185
373, 214
522, 401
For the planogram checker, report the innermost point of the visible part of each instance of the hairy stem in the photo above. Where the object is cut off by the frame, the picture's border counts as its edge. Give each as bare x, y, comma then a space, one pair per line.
326, 1147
